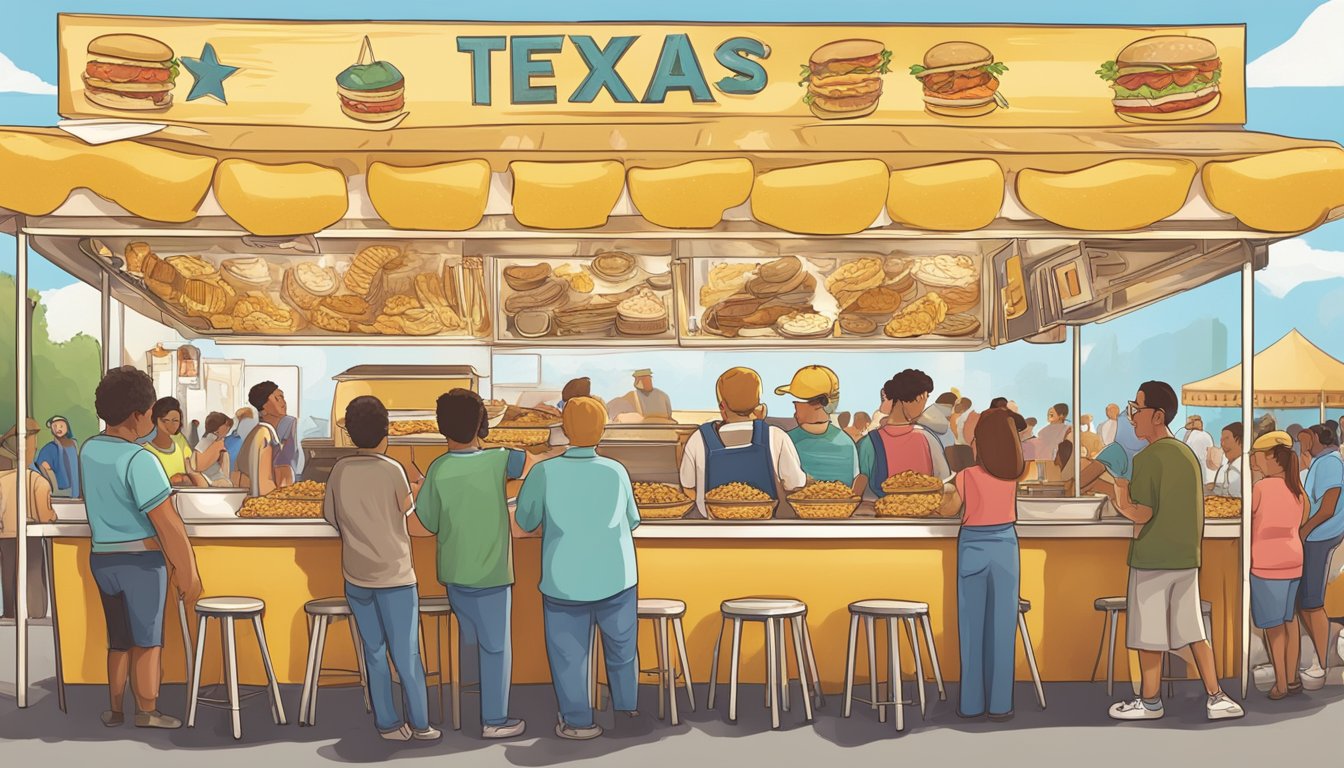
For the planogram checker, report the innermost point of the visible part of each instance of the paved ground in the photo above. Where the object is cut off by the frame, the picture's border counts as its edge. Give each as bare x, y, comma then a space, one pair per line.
1074, 729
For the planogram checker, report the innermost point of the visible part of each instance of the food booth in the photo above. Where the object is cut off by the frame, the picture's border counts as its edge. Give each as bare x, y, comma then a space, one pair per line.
552, 187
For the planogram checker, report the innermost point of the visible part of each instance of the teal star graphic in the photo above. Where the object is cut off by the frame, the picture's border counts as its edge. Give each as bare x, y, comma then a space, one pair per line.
208, 73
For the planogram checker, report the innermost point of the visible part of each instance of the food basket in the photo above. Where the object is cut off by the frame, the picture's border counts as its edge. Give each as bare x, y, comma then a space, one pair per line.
825, 509
666, 510
762, 509
1222, 507
909, 503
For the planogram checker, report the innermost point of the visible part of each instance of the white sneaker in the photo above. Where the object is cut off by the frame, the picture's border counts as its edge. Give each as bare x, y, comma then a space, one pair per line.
1313, 678
1220, 707
508, 730
429, 734
402, 733
1135, 710
575, 733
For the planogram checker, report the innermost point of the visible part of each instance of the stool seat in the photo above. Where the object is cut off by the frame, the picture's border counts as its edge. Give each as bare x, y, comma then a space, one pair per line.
327, 606
653, 607
435, 605
889, 608
1023, 606
229, 606
1111, 604
762, 608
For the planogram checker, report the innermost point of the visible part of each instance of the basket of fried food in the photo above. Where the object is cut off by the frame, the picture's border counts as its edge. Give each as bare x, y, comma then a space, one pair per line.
304, 490
910, 494
660, 501
739, 501
1222, 507
829, 500
273, 508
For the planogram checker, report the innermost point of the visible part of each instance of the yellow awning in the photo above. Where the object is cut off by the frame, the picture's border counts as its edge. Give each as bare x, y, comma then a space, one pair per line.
288, 199
1290, 373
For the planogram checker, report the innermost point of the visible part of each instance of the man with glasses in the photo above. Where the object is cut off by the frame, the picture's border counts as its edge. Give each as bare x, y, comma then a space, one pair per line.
1165, 500
825, 451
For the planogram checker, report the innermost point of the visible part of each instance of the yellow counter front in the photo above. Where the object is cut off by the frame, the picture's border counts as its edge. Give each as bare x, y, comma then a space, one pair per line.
1065, 567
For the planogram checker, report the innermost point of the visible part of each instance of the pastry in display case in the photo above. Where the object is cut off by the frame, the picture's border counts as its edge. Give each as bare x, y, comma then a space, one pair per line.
408, 288
575, 291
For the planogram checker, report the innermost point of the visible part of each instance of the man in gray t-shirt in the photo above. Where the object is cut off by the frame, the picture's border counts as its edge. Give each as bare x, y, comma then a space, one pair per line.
371, 502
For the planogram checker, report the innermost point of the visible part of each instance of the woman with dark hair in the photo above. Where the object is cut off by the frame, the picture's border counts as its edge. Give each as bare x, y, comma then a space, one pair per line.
170, 447
988, 570
1279, 507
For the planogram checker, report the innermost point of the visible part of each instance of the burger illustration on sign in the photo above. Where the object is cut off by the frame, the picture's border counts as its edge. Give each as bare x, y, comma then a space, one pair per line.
371, 91
1166, 77
960, 79
844, 78
130, 72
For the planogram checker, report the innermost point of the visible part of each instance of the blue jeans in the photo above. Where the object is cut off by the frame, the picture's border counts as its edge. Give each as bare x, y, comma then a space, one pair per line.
569, 643
389, 624
484, 616
988, 576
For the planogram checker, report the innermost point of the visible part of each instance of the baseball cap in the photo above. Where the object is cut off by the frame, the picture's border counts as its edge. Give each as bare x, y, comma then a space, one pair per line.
739, 389
812, 381
643, 372
1268, 440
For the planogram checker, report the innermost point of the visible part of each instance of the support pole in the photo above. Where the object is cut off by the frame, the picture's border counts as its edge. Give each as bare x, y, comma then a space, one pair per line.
105, 339
1248, 419
21, 355
1076, 407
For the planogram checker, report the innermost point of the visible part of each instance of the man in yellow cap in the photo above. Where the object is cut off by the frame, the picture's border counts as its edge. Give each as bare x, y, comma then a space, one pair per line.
825, 451
741, 447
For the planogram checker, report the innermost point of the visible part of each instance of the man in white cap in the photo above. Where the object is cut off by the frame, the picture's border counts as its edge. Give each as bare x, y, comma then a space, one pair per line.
644, 403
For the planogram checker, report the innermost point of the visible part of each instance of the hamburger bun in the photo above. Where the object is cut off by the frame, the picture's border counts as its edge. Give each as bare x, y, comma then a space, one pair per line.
954, 56
845, 51
1166, 49
959, 108
135, 49
1180, 114
822, 111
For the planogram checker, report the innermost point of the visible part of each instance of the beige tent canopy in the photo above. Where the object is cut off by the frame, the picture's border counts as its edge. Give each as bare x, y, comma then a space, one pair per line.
1291, 373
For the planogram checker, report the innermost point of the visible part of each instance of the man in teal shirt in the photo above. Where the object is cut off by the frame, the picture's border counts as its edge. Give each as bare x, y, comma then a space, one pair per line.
825, 451
585, 505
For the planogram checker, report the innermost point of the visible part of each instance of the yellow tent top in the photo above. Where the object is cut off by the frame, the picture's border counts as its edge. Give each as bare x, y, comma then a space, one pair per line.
1291, 373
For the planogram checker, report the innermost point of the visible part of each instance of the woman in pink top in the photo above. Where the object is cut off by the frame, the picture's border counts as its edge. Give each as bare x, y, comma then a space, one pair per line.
988, 571
1279, 507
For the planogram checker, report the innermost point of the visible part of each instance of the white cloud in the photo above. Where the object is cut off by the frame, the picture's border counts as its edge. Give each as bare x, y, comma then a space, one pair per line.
15, 80
71, 310
1313, 56
1294, 262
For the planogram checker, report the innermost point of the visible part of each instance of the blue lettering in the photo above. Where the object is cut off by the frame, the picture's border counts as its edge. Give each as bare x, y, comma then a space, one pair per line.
678, 69
602, 69
749, 76
524, 68
480, 49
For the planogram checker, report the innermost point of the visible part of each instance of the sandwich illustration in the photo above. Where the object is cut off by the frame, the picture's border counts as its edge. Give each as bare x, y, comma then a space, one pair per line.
960, 79
1165, 77
844, 78
130, 72
371, 91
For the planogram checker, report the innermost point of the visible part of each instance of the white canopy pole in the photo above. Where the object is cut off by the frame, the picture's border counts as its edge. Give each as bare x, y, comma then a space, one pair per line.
106, 316
1076, 406
1248, 420
21, 468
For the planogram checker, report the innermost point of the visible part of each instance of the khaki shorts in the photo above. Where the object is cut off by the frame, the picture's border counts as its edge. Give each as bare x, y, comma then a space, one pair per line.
1164, 611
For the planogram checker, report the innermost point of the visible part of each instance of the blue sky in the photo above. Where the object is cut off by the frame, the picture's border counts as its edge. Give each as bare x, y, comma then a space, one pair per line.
1112, 370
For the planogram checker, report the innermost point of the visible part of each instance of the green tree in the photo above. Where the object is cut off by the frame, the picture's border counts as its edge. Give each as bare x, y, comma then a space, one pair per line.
64, 375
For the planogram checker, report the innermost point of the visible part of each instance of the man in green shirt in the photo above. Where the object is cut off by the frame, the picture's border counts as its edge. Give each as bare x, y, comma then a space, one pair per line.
463, 503
824, 450
1165, 499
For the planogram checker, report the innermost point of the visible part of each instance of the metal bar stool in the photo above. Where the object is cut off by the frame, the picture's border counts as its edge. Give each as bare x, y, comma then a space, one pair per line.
227, 610
321, 614
775, 614
1113, 607
891, 611
664, 613
439, 611
1023, 608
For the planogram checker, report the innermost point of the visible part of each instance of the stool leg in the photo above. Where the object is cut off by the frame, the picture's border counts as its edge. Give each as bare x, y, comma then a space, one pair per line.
231, 663
1031, 658
783, 655
658, 652
772, 671
194, 697
869, 629
439, 621
849, 663
665, 660
798, 656
714, 668
183, 623
322, 623
812, 664
457, 676
895, 687
277, 707
1101, 645
309, 670
933, 657
913, 634
360, 661
685, 662
732, 673
1111, 621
